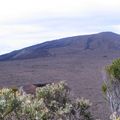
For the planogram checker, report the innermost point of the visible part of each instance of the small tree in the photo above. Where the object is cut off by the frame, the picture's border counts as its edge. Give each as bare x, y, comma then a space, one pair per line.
111, 86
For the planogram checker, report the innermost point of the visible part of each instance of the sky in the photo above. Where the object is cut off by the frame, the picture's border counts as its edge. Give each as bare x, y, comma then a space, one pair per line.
27, 22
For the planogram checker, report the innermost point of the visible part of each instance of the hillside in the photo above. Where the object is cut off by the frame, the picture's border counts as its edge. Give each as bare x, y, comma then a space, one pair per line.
103, 42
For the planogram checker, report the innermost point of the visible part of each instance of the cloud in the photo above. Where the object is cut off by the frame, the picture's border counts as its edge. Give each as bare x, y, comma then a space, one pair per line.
28, 22
11, 10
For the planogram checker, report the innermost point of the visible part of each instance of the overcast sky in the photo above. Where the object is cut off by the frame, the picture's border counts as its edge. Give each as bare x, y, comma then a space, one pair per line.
28, 22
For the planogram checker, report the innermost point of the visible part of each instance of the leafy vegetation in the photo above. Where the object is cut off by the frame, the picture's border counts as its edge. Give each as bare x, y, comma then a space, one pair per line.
52, 102
113, 70
111, 88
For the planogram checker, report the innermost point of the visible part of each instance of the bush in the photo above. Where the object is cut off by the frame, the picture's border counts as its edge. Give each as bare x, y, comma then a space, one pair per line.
111, 88
51, 102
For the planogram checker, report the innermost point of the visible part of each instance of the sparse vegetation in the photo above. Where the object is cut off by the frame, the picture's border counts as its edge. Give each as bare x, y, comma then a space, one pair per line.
111, 88
51, 102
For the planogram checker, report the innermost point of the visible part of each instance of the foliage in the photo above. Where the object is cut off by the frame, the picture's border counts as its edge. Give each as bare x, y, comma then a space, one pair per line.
111, 88
104, 88
51, 102
113, 70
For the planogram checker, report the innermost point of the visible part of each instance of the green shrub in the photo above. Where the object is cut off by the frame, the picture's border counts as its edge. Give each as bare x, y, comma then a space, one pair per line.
52, 102
111, 87
113, 70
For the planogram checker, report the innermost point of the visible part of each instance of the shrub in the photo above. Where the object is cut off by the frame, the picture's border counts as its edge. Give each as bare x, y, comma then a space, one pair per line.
111, 88
52, 102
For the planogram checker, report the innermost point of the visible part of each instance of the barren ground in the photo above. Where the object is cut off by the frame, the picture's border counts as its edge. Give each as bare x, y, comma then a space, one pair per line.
82, 73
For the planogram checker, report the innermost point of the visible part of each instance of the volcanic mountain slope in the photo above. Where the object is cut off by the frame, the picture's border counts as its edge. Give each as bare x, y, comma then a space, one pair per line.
101, 42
